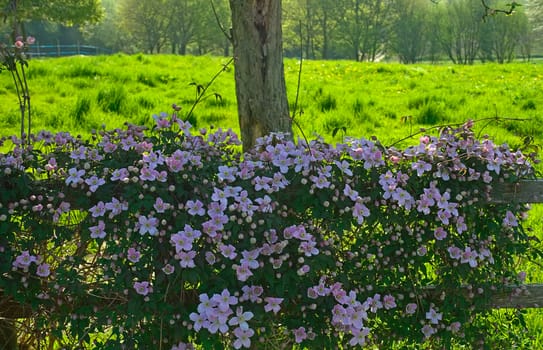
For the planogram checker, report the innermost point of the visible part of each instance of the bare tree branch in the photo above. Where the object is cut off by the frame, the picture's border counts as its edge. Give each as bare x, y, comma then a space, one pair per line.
490, 11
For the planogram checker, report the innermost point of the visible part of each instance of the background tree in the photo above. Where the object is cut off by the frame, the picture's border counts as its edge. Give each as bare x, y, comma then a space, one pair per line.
260, 80
147, 22
366, 27
213, 22
69, 12
501, 36
457, 27
183, 19
300, 22
534, 11
108, 33
409, 30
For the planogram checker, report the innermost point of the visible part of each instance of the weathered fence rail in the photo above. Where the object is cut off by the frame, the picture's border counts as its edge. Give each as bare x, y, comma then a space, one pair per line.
527, 295
511, 296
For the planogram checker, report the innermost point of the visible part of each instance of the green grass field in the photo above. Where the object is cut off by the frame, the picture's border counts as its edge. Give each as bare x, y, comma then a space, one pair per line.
390, 101
387, 100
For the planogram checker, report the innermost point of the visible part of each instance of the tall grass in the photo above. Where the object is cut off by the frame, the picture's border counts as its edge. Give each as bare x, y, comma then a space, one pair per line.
365, 98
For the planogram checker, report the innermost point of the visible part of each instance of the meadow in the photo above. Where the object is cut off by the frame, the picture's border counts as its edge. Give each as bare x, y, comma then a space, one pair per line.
336, 99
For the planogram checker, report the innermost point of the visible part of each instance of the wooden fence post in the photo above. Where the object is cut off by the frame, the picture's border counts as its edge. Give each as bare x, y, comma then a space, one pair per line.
8, 334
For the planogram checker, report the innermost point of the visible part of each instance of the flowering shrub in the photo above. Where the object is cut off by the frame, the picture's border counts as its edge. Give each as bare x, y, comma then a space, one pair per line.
13, 59
170, 239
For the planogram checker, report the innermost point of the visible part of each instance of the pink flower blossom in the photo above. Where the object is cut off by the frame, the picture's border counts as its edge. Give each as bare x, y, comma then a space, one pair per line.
98, 210
273, 304
182, 346
469, 256
24, 260
440, 233
168, 269
299, 334
186, 259
195, 208
455, 327
228, 251
94, 182
243, 338
133, 255
148, 225
116, 207
241, 319
74, 176
410, 308
454, 252
98, 231
142, 288
243, 272
428, 330
43, 270
252, 293
359, 336
161, 206
224, 300
433, 316
389, 302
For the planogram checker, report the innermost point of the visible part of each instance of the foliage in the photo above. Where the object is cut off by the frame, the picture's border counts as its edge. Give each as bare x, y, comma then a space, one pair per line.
13, 59
166, 237
69, 12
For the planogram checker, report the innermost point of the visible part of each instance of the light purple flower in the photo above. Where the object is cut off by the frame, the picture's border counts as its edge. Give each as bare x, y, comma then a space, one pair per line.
273, 304
94, 182
168, 269
133, 255
24, 260
186, 259
195, 208
161, 206
299, 334
241, 319
98, 231
148, 225
433, 316
243, 338
389, 302
428, 330
98, 210
142, 288
43, 270
440, 233
359, 336
410, 308
74, 176
224, 300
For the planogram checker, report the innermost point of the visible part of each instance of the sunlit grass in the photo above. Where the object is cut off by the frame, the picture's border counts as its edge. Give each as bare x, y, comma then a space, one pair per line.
387, 100
336, 99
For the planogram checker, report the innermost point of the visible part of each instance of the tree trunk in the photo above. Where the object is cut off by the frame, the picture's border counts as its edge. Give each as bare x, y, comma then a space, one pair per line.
260, 81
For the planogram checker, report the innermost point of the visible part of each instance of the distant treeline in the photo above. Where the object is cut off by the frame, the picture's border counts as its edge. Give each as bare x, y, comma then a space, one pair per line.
461, 31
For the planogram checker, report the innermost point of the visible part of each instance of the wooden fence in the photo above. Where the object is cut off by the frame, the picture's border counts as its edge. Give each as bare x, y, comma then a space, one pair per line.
512, 296
527, 295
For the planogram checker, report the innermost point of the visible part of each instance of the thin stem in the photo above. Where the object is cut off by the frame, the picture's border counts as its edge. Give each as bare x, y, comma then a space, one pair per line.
422, 131
26, 98
299, 74
201, 95
15, 76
